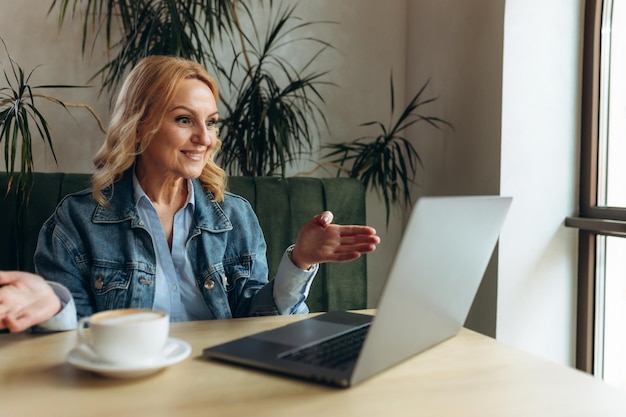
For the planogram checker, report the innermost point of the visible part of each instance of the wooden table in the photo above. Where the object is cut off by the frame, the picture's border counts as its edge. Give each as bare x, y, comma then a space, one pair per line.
468, 375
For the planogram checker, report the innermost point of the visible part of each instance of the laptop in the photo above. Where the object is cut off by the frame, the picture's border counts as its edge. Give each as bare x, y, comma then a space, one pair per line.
434, 277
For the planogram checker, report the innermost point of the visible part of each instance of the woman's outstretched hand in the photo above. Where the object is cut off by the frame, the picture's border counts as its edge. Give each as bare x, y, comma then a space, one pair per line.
321, 241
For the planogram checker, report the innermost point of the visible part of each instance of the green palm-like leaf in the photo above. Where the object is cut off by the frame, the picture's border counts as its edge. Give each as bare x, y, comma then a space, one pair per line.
276, 108
272, 112
134, 29
387, 162
19, 117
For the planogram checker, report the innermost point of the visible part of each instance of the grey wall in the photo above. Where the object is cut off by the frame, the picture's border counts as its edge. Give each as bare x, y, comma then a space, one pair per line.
459, 45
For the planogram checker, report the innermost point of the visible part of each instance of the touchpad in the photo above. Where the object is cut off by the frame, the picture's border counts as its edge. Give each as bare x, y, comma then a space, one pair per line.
302, 332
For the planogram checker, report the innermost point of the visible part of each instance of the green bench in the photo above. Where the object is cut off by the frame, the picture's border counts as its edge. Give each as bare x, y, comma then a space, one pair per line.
282, 206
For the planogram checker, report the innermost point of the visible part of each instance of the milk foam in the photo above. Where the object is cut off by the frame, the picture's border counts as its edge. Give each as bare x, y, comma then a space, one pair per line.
133, 318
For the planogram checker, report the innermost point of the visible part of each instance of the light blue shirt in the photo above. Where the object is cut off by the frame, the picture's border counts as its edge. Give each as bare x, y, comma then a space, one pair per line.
176, 291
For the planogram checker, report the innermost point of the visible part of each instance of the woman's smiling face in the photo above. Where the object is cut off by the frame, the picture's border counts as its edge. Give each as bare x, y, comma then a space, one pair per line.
180, 148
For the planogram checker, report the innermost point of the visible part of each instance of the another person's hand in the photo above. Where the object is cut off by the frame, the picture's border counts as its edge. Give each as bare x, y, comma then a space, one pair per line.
320, 241
25, 300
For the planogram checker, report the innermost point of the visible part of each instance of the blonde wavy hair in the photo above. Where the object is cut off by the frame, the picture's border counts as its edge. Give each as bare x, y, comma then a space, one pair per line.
141, 105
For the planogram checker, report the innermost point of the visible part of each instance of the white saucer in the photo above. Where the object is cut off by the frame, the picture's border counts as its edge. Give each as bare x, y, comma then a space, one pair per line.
82, 357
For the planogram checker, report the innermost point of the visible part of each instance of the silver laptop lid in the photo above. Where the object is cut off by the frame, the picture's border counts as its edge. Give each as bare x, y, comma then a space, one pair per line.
441, 260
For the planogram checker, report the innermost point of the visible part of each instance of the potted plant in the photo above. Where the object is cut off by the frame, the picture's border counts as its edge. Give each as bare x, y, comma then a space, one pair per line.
272, 108
387, 161
134, 29
21, 122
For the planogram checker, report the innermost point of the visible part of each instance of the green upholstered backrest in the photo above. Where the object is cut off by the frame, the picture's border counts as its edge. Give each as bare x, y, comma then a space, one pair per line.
282, 205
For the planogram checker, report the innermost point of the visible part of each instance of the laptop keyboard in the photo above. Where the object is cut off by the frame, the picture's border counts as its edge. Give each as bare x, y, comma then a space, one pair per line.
333, 353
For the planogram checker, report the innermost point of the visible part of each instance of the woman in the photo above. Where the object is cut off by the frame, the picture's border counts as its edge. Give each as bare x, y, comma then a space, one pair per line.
157, 229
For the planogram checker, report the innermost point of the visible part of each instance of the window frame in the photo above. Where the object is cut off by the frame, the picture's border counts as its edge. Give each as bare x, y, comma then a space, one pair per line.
592, 221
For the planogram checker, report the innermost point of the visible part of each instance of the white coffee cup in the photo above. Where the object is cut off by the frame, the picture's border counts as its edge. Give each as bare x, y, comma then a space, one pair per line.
126, 336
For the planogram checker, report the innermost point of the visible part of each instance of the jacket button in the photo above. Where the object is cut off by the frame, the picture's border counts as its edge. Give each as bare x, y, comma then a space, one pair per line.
98, 283
209, 284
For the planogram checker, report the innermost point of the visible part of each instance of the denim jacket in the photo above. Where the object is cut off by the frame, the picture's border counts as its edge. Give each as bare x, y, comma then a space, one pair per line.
106, 258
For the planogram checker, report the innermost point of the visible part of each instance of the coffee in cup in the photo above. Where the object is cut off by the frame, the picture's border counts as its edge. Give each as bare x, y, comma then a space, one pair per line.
126, 336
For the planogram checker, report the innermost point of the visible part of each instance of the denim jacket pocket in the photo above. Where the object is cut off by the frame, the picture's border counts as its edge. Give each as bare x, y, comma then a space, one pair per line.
110, 286
237, 273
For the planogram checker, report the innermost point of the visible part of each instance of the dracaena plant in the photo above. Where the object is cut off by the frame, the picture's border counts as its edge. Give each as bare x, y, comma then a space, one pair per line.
134, 29
272, 108
387, 162
22, 122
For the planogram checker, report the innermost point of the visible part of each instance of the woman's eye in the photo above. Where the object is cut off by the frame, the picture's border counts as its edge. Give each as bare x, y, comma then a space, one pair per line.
184, 120
212, 124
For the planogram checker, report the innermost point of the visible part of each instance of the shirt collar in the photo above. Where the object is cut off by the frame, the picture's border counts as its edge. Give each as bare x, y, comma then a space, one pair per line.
139, 193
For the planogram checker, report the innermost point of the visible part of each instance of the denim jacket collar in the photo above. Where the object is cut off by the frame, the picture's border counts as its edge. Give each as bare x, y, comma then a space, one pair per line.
208, 215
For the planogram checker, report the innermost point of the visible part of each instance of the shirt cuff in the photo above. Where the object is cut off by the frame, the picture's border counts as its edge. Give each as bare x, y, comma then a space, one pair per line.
64, 319
292, 285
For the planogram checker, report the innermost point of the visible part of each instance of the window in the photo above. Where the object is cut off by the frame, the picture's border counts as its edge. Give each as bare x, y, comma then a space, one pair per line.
602, 220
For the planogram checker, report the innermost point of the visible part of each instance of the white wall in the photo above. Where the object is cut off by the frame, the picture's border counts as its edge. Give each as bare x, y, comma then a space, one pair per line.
540, 129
